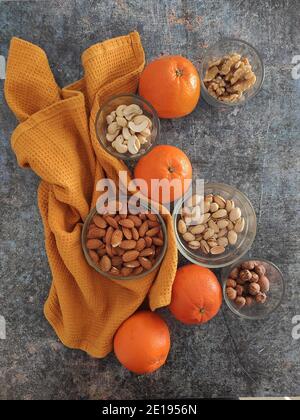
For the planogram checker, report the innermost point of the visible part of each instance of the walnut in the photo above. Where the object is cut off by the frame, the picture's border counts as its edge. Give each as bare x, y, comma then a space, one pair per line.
227, 78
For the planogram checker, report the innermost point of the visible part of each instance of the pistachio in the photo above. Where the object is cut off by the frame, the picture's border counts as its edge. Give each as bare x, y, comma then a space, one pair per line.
181, 227
216, 250
220, 201
235, 214
232, 237
214, 207
208, 234
197, 230
204, 247
188, 237
219, 214
222, 223
239, 225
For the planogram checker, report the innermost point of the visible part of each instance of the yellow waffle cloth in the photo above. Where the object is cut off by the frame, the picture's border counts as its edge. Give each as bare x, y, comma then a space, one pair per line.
56, 139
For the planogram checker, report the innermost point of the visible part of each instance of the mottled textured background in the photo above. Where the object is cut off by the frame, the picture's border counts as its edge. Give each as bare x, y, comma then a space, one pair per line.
255, 148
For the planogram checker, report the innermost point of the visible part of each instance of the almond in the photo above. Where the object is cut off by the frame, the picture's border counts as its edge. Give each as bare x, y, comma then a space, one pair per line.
136, 220
128, 244
101, 252
99, 221
135, 234
127, 233
94, 256
95, 233
143, 229
153, 224
132, 264
157, 241
138, 270
111, 221
105, 264
152, 217
93, 243
109, 250
126, 223
148, 241
126, 271
153, 232
145, 263
108, 235
116, 238
119, 251
114, 271
147, 252
141, 244
116, 261
130, 255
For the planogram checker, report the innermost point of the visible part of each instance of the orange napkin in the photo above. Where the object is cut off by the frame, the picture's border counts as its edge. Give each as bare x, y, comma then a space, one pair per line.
56, 139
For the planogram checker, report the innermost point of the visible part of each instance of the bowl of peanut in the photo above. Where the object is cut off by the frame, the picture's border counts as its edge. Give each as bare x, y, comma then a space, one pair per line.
216, 229
253, 289
124, 245
127, 126
232, 72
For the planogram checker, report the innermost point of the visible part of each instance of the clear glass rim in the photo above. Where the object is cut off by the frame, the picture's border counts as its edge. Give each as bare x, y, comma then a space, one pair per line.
155, 117
192, 256
257, 89
224, 276
111, 276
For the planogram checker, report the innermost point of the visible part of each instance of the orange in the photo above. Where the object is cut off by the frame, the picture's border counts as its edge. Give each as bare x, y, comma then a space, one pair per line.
142, 343
196, 295
172, 85
165, 162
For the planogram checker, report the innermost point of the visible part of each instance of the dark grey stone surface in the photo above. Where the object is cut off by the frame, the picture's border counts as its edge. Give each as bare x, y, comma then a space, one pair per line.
255, 148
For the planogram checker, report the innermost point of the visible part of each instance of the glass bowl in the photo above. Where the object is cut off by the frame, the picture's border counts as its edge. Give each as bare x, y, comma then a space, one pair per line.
111, 105
275, 295
233, 252
86, 224
228, 46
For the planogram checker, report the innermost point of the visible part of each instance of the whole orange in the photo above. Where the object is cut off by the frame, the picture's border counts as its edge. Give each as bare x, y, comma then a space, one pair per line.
196, 295
165, 162
142, 343
172, 85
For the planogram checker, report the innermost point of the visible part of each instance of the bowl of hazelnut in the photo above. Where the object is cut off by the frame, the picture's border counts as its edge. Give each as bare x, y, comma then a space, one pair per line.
253, 289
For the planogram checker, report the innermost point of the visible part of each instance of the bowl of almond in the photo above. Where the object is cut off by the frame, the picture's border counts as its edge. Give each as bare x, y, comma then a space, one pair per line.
127, 126
215, 229
122, 244
232, 72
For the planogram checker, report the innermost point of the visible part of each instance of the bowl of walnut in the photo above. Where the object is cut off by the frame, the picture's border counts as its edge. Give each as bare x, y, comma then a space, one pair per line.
253, 289
232, 72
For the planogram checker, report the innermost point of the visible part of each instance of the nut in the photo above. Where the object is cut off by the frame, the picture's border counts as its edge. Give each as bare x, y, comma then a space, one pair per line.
116, 238
254, 289
249, 301
240, 290
130, 255
232, 237
228, 77
231, 283
182, 229
260, 270
264, 284
105, 263
240, 302
234, 274
248, 265
134, 145
235, 214
261, 297
197, 230
188, 237
231, 293
219, 214
216, 250
245, 275
239, 225
254, 277
128, 244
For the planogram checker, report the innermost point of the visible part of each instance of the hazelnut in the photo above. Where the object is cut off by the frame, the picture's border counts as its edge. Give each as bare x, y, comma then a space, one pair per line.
261, 297
231, 283
240, 302
255, 277
248, 265
245, 275
264, 284
254, 289
240, 290
234, 273
241, 282
231, 293
260, 270
249, 301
